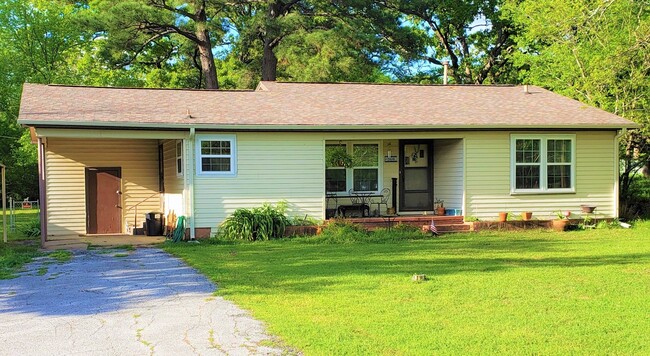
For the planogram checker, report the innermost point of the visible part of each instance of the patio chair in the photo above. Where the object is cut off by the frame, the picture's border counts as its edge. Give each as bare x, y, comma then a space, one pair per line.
331, 212
385, 193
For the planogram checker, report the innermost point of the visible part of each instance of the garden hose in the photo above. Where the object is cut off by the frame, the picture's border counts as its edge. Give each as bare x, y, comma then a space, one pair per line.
179, 232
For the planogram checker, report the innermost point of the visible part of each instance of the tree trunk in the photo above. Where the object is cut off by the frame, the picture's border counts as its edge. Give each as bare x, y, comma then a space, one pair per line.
208, 68
204, 45
269, 62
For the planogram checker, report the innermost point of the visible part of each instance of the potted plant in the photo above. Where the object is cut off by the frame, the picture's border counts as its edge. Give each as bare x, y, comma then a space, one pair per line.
526, 215
560, 224
440, 207
503, 216
338, 156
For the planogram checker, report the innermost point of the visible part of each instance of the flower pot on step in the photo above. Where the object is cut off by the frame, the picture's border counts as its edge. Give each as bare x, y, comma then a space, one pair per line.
527, 215
503, 216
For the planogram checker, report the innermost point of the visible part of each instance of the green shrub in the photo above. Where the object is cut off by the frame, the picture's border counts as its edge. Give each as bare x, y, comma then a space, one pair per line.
262, 223
32, 229
303, 221
341, 231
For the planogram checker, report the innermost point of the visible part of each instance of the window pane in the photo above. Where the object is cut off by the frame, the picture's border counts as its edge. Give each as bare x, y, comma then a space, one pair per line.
559, 151
211, 164
335, 155
527, 151
179, 148
179, 165
366, 155
215, 147
559, 176
527, 177
335, 180
365, 179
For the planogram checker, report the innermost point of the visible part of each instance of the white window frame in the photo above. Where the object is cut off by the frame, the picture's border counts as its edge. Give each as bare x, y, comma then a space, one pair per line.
543, 164
349, 175
179, 158
353, 168
233, 155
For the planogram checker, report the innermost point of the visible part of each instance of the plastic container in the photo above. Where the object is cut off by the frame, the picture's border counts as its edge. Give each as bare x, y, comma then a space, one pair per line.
153, 223
453, 212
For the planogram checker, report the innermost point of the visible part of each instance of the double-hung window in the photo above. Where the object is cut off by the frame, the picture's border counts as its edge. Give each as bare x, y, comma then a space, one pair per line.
361, 174
365, 170
216, 155
543, 164
335, 172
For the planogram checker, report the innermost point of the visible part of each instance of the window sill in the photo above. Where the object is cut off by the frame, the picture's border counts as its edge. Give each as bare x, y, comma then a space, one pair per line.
544, 192
216, 174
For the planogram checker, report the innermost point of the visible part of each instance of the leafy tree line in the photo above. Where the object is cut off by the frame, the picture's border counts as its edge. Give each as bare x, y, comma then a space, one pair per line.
594, 51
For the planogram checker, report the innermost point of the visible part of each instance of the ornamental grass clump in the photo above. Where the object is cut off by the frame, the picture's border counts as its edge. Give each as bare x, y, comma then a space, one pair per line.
261, 223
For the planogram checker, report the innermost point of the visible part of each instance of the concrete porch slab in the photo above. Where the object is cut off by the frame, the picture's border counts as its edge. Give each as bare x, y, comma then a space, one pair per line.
73, 242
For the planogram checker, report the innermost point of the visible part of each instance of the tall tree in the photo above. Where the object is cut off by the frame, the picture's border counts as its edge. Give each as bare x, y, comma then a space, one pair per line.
155, 32
36, 39
472, 36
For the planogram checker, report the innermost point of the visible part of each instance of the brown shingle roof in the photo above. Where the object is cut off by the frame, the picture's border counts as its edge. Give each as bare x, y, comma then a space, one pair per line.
308, 105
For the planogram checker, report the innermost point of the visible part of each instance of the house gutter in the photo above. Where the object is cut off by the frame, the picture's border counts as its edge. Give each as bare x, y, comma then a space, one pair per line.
314, 128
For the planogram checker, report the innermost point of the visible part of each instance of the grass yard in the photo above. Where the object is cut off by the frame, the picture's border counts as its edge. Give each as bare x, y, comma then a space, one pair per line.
529, 292
20, 248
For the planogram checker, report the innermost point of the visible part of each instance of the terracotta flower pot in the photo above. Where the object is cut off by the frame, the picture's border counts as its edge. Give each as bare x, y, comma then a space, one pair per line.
527, 215
588, 209
560, 224
440, 211
503, 216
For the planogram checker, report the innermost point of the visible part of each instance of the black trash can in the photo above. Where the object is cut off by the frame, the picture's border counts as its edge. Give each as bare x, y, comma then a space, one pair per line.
153, 224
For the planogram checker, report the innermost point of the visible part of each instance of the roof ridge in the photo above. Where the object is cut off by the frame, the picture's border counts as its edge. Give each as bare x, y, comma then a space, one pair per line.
401, 84
139, 88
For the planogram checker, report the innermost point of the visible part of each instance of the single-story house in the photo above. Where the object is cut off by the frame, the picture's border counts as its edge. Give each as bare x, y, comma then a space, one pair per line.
107, 156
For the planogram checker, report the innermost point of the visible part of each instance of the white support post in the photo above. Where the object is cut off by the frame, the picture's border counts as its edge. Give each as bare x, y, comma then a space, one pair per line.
190, 182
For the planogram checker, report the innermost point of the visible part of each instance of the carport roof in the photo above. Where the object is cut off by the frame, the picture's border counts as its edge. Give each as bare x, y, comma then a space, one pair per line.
304, 106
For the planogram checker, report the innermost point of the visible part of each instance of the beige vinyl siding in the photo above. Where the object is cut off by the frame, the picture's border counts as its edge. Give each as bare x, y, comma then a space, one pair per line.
448, 172
270, 167
66, 160
173, 199
488, 178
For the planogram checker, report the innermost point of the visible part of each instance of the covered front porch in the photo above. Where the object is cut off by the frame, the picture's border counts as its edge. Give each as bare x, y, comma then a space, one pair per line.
396, 176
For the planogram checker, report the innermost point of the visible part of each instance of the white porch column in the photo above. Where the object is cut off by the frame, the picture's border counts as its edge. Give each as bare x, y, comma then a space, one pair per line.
189, 182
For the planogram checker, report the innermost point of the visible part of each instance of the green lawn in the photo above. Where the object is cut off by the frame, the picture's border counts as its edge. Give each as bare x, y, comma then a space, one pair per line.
20, 248
585, 292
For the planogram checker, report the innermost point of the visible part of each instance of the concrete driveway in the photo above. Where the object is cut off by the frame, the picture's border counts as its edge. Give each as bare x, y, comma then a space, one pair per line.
108, 302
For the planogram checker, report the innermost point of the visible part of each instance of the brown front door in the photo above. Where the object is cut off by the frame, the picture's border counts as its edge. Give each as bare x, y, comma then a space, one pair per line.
103, 200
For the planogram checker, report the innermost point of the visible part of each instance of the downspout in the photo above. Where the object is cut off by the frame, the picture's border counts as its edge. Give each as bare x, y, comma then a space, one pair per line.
617, 169
190, 180
41, 189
